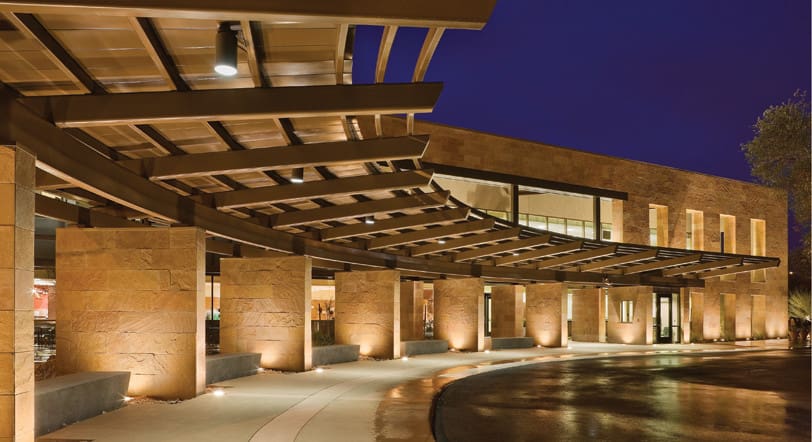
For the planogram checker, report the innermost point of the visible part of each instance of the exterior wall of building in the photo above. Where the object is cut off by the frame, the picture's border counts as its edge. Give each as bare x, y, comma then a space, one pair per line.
266, 309
459, 313
411, 310
646, 184
637, 331
546, 312
131, 299
588, 316
508, 311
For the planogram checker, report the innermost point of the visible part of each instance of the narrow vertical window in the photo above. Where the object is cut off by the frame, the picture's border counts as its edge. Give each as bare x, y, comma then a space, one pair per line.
727, 230
658, 225
758, 247
626, 311
694, 230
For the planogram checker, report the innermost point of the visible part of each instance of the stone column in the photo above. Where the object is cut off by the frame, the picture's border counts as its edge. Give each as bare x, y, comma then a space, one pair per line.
459, 313
639, 330
727, 318
685, 315
16, 302
759, 315
411, 311
588, 315
712, 311
131, 299
265, 308
546, 312
508, 311
744, 312
697, 316
368, 312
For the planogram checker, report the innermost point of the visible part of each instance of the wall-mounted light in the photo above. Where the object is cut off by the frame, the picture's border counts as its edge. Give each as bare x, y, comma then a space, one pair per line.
225, 61
369, 219
298, 176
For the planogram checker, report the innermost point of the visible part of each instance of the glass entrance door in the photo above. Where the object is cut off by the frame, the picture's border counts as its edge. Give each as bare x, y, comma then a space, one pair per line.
663, 319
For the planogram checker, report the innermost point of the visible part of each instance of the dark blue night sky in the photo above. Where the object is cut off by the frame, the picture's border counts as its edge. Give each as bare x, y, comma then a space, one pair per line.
676, 82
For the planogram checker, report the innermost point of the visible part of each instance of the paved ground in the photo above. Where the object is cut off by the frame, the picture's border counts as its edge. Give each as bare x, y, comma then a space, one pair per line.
684, 396
359, 401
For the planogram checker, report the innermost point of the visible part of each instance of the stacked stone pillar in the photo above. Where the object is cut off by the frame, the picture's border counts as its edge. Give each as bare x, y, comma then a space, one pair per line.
459, 313
588, 315
16, 303
639, 330
508, 311
411, 311
131, 299
546, 313
265, 308
697, 315
368, 312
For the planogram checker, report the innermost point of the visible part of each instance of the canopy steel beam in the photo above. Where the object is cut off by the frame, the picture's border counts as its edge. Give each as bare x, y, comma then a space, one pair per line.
236, 104
510, 246
459, 14
429, 234
577, 257
704, 266
618, 260
540, 253
468, 241
276, 158
401, 222
323, 188
680, 260
737, 269
421, 201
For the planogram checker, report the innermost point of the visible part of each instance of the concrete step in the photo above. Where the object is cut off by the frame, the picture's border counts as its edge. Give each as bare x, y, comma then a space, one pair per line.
423, 347
335, 354
227, 366
505, 343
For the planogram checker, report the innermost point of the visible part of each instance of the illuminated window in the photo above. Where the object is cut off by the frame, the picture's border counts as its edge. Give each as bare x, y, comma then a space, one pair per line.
727, 226
694, 230
658, 225
557, 225
758, 247
575, 228
626, 311
606, 231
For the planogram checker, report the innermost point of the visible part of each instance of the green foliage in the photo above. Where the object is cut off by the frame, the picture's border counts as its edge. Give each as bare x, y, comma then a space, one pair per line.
800, 304
779, 155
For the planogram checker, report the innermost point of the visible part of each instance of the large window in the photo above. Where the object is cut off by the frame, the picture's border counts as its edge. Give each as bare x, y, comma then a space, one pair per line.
626, 311
658, 225
694, 230
758, 247
727, 227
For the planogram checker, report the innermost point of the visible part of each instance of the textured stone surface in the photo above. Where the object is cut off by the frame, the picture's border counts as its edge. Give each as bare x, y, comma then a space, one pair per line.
131, 299
411, 310
459, 313
546, 313
231, 366
507, 317
588, 316
368, 312
727, 316
697, 315
423, 347
639, 331
266, 309
335, 354
678, 190
759, 308
16, 303
514, 342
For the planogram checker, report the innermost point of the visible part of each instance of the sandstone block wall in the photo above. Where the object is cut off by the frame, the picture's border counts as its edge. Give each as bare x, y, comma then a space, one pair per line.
507, 317
546, 313
411, 310
131, 299
759, 312
266, 309
639, 331
697, 315
588, 316
678, 190
16, 303
459, 313
368, 312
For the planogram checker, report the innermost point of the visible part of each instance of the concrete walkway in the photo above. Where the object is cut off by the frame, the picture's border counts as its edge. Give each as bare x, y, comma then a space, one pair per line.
358, 401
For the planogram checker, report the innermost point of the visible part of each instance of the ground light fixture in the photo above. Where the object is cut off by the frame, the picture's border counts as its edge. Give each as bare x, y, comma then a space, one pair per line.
369, 219
298, 176
219, 392
225, 62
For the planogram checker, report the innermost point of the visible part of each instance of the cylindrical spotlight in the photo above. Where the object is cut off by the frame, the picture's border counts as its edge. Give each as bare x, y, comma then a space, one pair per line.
298, 176
369, 219
225, 62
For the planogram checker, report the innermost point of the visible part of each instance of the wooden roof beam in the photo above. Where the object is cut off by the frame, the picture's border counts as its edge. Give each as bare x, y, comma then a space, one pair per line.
236, 104
468, 241
680, 260
323, 188
618, 260
704, 266
540, 253
577, 257
429, 234
459, 14
401, 222
510, 246
276, 158
421, 201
